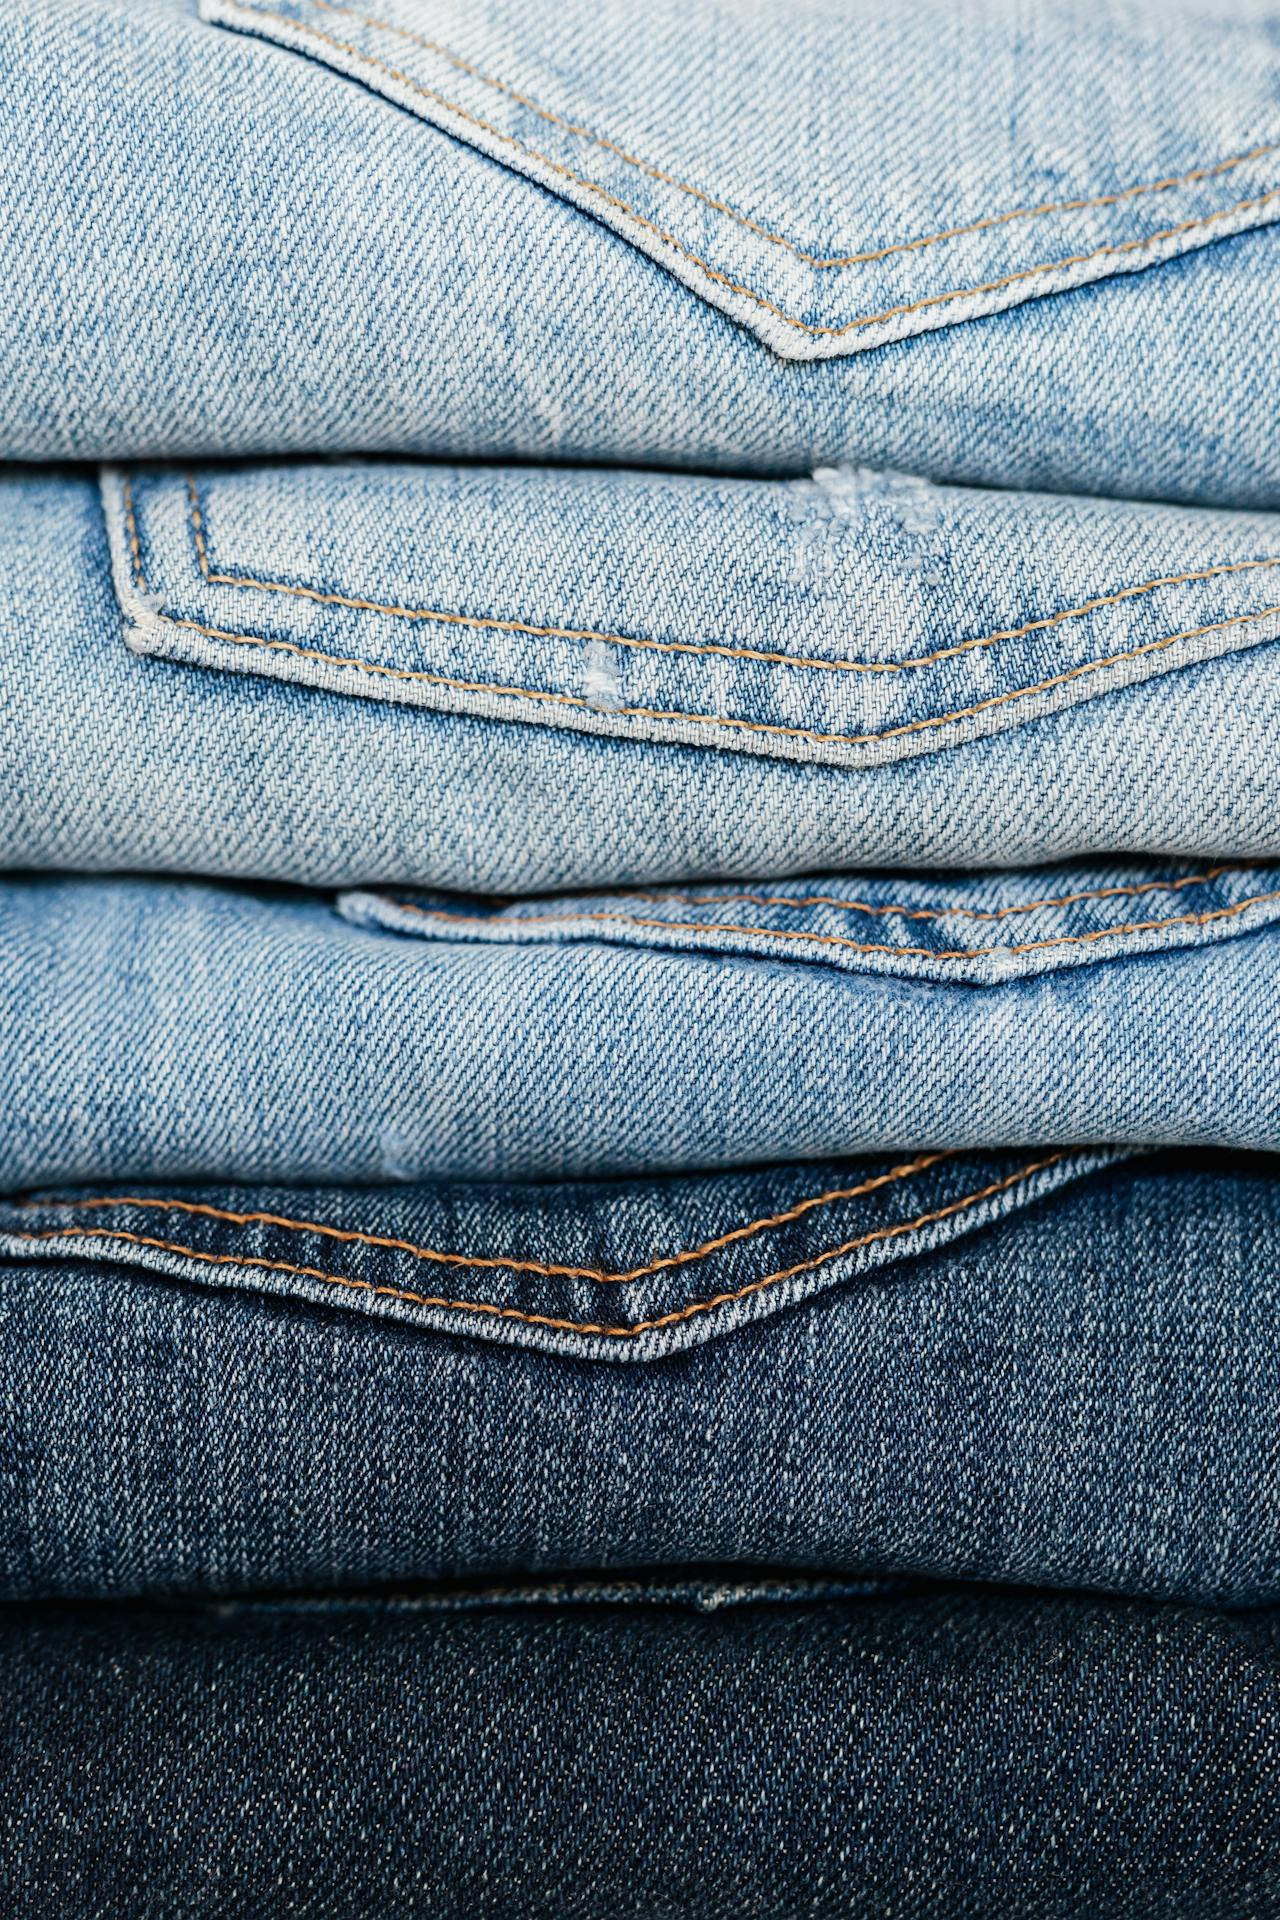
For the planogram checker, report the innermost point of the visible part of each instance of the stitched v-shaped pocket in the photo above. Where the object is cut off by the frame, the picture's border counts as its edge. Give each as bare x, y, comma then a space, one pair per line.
835, 177
601, 1271
977, 930
850, 619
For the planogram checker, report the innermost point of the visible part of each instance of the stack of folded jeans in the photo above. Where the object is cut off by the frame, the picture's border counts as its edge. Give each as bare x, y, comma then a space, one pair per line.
639, 973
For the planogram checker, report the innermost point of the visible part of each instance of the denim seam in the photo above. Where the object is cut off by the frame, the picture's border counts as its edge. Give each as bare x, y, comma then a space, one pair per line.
135, 545
841, 940
215, 578
1114, 251
705, 719
542, 1269
581, 703
490, 1308
1116, 198
892, 909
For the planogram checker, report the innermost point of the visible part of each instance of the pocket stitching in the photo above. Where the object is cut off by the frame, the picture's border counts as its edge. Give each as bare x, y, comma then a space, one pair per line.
215, 578
1114, 250
544, 1271
581, 703
819, 262
490, 1308
705, 719
1129, 931
885, 910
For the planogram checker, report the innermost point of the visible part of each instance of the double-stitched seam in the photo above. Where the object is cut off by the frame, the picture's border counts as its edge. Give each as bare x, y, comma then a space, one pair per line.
492, 1310
891, 909
1116, 251
1131, 930
543, 1269
768, 657
678, 715
984, 225
131, 528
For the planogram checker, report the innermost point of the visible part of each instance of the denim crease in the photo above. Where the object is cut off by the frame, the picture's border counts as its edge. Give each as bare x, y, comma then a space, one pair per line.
1082, 303
185, 764
232, 1034
971, 1754
639, 960
863, 1370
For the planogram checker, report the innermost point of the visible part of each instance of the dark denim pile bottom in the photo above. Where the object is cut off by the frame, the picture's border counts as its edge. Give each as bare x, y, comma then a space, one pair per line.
975, 1756
877, 1538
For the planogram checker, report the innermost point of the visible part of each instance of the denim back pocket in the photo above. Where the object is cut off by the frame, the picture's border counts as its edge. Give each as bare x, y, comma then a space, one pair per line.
849, 619
976, 930
609, 1270
834, 178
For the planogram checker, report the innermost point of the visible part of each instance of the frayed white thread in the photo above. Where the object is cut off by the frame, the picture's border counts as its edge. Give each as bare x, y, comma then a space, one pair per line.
601, 681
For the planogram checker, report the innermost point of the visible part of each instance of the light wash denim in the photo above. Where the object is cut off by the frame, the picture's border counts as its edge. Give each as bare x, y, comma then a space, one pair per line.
677, 1018
1045, 1370
944, 1756
510, 680
188, 1031
977, 241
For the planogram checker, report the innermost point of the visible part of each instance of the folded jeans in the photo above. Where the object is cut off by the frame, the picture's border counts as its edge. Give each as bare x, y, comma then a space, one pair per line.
189, 1031
592, 232
1057, 1370
513, 680
976, 1757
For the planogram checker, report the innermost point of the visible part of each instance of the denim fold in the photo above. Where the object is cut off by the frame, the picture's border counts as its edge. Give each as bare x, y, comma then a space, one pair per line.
1057, 1372
514, 680
970, 1754
639, 960
951, 239
188, 1031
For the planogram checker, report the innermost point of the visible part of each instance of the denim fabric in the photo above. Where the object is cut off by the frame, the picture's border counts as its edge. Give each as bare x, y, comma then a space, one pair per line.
949, 1757
1013, 248
639, 1074
185, 1031
113, 758
953, 1367
853, 620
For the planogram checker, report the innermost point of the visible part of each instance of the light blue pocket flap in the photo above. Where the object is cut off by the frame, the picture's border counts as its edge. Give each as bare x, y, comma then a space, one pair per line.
851, 619
838, 176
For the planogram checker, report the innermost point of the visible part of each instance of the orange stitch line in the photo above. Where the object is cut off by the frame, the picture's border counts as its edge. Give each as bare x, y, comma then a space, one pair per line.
926, 913
778, 239
543, 1270
840, 940
131, 525
857, 906
546, 1320
704, 266
687, 646
710, 719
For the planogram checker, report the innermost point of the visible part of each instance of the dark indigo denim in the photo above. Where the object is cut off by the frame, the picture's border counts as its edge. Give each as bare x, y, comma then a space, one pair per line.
941, 1756
372, 1546
1072, 1382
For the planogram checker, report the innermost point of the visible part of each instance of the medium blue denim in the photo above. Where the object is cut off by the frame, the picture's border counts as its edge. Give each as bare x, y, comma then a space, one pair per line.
499, 680
946, 1756
1027, 250
188, 1031
1051, 1371
593, 846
